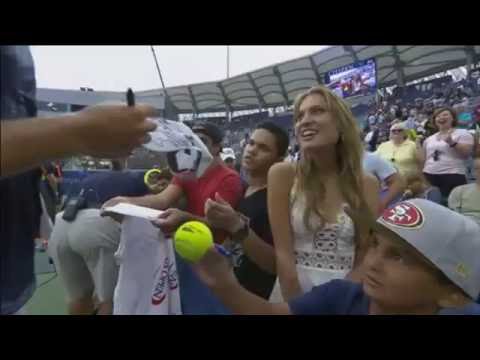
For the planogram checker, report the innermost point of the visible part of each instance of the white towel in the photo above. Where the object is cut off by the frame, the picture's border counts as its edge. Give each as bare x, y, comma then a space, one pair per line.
147, 281
46, 224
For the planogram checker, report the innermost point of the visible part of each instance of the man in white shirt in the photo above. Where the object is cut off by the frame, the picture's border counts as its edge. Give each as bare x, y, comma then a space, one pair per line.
392, 182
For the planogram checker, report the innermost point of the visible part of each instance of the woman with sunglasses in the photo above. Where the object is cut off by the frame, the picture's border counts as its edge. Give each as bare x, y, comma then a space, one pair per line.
444, 153
400, 151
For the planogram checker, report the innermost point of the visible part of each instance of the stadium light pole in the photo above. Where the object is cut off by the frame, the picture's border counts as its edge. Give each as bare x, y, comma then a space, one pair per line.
165, 94
229, 114
158, 70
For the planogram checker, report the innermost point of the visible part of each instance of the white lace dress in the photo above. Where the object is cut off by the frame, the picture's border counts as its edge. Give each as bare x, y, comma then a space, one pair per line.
323, 253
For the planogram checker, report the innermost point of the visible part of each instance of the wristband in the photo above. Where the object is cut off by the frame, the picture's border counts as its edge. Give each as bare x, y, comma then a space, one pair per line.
242, 234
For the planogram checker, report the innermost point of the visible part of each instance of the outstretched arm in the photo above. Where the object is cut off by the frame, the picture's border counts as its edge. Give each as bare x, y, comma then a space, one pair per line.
396, 185
280, 182
213, 269
101, 131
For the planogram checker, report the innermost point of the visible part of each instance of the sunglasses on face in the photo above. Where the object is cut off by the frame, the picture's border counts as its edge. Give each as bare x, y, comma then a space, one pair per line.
396, 131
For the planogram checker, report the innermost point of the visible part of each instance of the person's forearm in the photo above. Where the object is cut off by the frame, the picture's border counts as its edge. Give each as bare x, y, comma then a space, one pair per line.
395, 188
288, 278
464, 150
421, 158
240, 301
150, 201
53, 183
387, 199
391, 195
290, 287
27, 143
261, 253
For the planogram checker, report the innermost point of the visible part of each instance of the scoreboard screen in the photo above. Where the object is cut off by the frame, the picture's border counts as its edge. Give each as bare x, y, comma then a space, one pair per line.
357, 79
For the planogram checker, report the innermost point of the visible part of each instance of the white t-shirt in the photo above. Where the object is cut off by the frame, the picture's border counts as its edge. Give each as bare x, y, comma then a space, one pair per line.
449, 161
148, 283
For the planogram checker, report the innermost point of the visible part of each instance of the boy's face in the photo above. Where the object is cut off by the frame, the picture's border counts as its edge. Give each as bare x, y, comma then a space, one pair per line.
397, 280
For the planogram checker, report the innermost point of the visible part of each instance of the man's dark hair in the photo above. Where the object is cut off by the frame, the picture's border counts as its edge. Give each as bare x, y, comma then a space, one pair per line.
210, 129
281, 136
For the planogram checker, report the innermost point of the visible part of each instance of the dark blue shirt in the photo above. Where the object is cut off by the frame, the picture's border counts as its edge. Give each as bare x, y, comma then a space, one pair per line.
342, 297
19, 194
102, 186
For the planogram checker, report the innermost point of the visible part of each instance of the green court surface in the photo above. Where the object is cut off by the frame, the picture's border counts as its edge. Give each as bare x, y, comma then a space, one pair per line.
49, 299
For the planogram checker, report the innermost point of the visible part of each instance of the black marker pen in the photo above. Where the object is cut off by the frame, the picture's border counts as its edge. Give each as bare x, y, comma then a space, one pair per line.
130, 97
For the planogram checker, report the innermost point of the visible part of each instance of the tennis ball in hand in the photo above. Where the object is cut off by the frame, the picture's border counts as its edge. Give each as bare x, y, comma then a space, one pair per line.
192, 240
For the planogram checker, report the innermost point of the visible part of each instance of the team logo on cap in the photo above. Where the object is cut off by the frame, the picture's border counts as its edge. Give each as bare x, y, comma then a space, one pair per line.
404, 215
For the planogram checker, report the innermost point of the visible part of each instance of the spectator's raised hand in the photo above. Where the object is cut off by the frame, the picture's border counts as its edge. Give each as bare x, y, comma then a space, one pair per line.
221, 215
111, 130
449, 140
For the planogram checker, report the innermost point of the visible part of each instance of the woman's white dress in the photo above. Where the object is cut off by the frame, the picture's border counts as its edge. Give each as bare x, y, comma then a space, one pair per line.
323, 253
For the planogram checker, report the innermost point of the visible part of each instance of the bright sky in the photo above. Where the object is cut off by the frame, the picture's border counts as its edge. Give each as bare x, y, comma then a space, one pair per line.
117, 67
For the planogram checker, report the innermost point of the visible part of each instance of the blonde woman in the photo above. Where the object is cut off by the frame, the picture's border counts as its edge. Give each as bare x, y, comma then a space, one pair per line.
311, 203
399, 150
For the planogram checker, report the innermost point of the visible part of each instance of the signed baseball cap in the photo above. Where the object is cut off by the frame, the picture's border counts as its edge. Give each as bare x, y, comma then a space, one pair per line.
186, 154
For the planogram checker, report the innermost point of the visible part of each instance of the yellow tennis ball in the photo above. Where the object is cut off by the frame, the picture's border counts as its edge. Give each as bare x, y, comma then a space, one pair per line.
146, 177
192, 240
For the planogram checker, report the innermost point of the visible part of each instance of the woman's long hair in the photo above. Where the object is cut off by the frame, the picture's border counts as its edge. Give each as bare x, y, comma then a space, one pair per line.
310, 181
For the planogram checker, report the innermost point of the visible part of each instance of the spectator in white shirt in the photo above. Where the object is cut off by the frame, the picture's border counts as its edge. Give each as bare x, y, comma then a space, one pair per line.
444, 153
